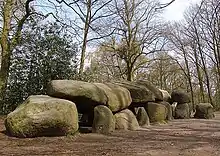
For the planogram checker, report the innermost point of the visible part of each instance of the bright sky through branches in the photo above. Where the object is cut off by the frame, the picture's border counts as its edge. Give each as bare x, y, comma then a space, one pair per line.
172, 12
176, 9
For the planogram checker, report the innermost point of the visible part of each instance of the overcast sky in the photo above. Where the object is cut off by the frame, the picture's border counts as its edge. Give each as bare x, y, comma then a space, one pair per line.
176, 9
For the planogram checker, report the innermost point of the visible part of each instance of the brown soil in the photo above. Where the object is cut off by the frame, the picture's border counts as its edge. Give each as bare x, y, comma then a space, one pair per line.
191, 137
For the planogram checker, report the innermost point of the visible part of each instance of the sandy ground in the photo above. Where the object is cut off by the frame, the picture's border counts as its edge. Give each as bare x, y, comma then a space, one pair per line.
191, 137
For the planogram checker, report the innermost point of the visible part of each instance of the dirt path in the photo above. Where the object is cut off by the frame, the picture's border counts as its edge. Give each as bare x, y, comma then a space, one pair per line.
178, 138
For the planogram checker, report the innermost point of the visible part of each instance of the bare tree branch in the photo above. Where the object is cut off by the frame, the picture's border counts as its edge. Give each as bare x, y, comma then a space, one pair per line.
162, 6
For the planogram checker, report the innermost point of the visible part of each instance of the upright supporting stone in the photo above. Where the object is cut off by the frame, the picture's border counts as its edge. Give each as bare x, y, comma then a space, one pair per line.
169, 110
157, 112
182, 111
142, 117
104, 121
126, 120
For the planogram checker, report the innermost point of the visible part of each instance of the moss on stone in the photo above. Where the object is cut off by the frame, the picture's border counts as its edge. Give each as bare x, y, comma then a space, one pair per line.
157, 112
43, 116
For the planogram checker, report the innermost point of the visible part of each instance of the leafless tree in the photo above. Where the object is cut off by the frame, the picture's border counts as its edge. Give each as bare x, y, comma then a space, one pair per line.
137, 31
89, 17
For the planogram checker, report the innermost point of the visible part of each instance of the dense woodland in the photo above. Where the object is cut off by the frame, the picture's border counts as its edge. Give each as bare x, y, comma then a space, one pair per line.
105, 40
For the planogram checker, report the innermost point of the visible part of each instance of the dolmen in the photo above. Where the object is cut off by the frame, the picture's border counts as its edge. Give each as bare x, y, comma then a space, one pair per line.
105, 107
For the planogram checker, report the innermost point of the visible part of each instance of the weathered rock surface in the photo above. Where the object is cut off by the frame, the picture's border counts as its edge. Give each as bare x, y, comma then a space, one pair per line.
85, 95
169, 110
104, 120
182, 111
139, 93
156, 92
166, 96
126, 120
180, 97
157, 112
43, 116
204, 111
118, 97
142, 117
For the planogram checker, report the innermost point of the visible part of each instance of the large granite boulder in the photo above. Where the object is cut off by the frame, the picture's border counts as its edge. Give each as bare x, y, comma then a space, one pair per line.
166, 96
157, 112
204, 111
182, 111
43, 116
142, 117
118, 97
180, 97
139, 93
85, 95
126, 120
156, 92
169, 110
104, 120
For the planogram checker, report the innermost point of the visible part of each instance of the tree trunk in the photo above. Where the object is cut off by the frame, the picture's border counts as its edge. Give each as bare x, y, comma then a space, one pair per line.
188, 76
129, 73
7, 43
6, 50
86, 30
200, 77
216, 50
204, 65
161, 73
